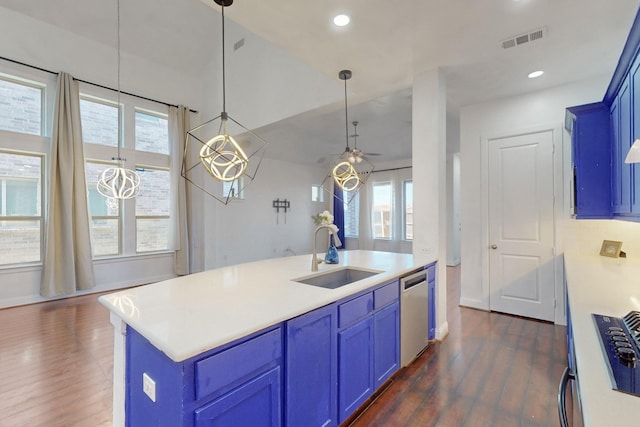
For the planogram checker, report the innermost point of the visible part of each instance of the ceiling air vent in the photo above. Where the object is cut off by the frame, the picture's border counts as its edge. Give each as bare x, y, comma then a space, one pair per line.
524, 38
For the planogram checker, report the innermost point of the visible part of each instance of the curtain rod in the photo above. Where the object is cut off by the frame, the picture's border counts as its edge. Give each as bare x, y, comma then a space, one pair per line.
91, 83
392, 169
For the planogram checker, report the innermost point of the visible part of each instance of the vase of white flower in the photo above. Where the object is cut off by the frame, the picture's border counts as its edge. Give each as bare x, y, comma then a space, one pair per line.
325, 218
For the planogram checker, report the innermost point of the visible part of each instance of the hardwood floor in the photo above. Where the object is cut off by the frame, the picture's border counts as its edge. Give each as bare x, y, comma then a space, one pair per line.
56, 361
492, 370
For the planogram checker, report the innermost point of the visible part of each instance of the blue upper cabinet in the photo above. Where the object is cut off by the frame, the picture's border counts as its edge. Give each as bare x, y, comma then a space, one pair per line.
591, 142
601, 134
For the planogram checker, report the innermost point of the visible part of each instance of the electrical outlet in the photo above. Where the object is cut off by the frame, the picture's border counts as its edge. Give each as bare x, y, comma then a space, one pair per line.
149, 386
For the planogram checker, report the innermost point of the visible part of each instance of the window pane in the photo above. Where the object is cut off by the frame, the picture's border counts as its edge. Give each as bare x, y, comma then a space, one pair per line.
20, 108
152, 133
104, 236
19, 241
230, 189
155, 193
152, 234
99, 123
408, 210
381, 213
21, 184
351, 214
97, 202
317, 193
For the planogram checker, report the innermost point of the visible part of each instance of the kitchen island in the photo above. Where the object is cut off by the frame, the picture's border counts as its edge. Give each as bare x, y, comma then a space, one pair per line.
182, 322
607, 286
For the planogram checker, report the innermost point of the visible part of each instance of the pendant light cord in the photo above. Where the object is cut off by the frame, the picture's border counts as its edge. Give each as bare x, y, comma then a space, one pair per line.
346, 120
118, 83
224, 99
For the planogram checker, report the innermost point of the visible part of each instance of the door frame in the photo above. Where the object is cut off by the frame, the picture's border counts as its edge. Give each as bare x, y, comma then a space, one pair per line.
558, 209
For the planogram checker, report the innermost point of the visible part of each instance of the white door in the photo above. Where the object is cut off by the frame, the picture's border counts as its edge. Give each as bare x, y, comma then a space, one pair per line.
521, 225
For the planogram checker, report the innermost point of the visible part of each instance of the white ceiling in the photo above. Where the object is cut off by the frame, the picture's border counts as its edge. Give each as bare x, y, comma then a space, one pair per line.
386, 45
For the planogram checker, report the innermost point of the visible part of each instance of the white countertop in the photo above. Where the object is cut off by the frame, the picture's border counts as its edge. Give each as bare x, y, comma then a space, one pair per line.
188, 315
609, 286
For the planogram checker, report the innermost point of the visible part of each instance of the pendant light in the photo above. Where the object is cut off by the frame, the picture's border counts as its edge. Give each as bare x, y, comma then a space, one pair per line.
351, 170
117, 182
226, 147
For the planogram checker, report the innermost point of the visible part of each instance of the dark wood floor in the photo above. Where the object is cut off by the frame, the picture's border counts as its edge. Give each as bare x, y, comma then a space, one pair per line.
492, 370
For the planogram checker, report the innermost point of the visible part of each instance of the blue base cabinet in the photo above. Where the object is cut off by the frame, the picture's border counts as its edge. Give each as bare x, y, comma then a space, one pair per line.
237, 384
311, 369
368, 345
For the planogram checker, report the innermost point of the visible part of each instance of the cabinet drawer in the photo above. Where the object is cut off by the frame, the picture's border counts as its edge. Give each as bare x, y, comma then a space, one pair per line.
355, 309
230, 365
386, 294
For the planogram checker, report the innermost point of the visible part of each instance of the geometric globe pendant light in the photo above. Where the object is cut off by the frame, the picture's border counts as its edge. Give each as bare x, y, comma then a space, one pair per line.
228, 151
118, 183
350, 170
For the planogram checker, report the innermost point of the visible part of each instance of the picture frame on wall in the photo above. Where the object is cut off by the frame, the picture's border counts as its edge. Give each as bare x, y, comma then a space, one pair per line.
611, 248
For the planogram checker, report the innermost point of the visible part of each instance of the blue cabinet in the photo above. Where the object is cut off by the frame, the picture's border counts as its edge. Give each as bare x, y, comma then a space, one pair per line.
311, 369
431, 295
386, 324
237, 384
368, 345
620, 113
256, 403
355, 345
591, 160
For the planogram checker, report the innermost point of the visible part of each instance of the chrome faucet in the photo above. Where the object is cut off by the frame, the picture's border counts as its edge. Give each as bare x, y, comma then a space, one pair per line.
332, 230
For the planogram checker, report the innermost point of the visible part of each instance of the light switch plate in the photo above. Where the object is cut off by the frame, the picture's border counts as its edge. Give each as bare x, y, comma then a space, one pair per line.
149, 386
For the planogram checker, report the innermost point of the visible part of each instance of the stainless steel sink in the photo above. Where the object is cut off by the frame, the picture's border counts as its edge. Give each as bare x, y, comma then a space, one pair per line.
337, 278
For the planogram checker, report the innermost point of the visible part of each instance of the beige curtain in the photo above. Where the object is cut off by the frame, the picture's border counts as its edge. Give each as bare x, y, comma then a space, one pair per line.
68, 264
178, 127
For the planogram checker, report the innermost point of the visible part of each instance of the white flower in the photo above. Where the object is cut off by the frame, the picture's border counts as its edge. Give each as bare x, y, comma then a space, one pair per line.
323, 218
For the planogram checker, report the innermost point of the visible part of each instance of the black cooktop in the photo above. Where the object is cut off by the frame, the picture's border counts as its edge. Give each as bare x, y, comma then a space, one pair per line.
620, 339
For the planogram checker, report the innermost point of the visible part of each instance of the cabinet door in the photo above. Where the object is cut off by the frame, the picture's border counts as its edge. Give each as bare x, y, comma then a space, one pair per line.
634, 76
256, 403
621, 124
355, 366
386, 331
311, 369
431, 287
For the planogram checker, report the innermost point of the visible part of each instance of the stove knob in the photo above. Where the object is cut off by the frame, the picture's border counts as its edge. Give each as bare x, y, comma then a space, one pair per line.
622, 344
615, 328
619, 338
627, 356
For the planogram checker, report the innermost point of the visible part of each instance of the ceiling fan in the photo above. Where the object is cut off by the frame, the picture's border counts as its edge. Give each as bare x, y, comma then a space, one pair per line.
355, 155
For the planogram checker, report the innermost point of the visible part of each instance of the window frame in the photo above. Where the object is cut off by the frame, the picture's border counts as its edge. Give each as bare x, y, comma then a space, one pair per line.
404, 209
134, 159
388, 183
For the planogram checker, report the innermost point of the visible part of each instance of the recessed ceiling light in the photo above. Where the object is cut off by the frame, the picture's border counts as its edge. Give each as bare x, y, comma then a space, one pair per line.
535, 74
341, 20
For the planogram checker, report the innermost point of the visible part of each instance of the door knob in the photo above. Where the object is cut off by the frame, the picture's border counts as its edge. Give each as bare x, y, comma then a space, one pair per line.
494, 246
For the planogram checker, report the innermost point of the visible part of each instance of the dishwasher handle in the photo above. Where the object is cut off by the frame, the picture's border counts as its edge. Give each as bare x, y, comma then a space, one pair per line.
562, 396
414, 279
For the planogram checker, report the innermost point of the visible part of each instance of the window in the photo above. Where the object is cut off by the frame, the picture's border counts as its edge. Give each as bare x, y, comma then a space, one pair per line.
317, 193
152, 132
21, 106
351, 212
105, 217
381, 211
407, 197
146, 226
20, 208
152, 210
99, 122
230, 189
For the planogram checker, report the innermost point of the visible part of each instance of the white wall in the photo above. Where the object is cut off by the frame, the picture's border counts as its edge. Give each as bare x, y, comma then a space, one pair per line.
250, 229
504, 116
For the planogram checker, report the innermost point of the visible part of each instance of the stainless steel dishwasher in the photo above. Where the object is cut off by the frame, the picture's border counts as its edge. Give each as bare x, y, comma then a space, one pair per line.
414, 315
